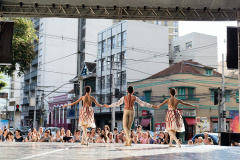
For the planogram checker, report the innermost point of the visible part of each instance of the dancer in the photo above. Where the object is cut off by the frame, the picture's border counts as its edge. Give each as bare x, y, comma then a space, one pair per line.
128, 114
174, 121
86, 114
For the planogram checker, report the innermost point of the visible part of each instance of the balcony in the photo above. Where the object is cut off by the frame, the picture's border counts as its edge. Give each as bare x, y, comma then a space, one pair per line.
25, 101
33, 85
35, 61
37, 24
36, 48
34, 73
26, 76
26, 88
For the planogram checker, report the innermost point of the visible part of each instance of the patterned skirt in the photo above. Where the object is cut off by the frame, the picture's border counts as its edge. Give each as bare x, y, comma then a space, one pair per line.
86, 117
174, 121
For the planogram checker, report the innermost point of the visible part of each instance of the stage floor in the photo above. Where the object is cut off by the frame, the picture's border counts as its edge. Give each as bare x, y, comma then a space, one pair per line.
49, 151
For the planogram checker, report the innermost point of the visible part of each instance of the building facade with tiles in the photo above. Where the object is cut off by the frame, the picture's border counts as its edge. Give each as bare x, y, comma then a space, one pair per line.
195, 84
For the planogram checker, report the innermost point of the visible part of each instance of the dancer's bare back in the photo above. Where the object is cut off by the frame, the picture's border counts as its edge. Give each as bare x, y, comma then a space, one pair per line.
87, 101
173, 103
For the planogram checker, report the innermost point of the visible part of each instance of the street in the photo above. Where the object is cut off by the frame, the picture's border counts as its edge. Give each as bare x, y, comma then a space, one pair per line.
114, 151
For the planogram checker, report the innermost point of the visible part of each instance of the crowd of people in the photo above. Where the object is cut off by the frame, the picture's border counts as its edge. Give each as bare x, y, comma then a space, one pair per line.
97, 135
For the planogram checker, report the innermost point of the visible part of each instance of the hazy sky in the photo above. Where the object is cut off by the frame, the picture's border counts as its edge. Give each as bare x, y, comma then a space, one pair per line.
211, 28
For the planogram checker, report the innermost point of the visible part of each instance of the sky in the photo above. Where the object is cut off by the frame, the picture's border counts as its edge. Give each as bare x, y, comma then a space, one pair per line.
214, 28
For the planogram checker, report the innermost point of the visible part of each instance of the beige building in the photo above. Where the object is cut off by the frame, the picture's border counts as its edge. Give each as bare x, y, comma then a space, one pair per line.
195, 83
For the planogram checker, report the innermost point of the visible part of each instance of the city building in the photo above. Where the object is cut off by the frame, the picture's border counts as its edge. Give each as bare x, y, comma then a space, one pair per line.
54, 65
172, 27
195, 83
194, 46
127, 51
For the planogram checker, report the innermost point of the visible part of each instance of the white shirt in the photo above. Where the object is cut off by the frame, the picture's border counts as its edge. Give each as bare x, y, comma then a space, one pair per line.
141, 103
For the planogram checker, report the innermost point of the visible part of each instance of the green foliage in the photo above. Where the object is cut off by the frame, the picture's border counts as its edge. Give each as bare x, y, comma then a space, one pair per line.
2, 83
22, 46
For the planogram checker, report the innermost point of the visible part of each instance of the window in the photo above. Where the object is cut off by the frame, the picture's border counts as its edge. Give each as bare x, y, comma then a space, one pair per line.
175, 36
227, 96
190, 93
41, 39
118, 78
189, 45
99, 65
103, 82
208, 72
175, 23
40, 52
119, 40
108, 81
148, 96
165, 23
82, 45
103, 64
237, 96
109, 44
113, 42
175, 30
83, 33
99, 47
124, 38
119, 57
104, 46
108, 62
99, 83
41, 26
40, 65
124, 58
158, 22
212, 94
181, 93
124, 77
176, 48
112, 58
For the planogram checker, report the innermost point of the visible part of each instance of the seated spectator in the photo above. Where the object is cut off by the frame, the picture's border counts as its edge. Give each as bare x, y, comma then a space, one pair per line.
115, 132
139, 134
190, 142
154, 139
18, 137
205, 137
35, 136
68, 137
117, 140
77, 136
200, 141
209, 141
110, 138
29, 137
40, 133
62, 132
10, 137
100, 139
235, 143
144, 139
4, 135
92, 138
166, 138
135, 139
57, 138
98, 132
121, 135
124, 139
161, 138
46, 137
132, 133
139, 128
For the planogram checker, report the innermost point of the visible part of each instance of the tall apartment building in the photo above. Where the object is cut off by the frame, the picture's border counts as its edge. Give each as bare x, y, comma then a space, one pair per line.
172, 27
198, 47
127, 51
54, 65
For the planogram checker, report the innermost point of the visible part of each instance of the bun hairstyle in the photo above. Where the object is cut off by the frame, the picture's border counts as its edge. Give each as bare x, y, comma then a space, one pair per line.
87, 89
130, 89
173, 91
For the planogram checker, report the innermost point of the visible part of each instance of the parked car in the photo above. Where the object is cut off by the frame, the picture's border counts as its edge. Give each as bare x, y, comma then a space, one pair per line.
53, 130
24, 129
214, 137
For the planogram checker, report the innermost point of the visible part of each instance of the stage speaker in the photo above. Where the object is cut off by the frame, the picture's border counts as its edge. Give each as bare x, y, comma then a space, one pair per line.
227, 138
232, 48
6, 33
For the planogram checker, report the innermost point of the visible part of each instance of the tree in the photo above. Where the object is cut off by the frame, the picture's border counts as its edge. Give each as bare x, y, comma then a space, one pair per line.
2, 83
22, 46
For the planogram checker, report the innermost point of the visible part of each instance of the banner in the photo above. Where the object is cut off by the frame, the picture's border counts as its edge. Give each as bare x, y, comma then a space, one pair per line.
144, 113
163, 126
3, 124
157, 126
234, 125
203, 124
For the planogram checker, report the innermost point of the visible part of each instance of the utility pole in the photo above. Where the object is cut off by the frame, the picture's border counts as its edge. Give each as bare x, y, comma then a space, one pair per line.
238, 24
80, 92
35, 107
219, 111
113, 108
42, 108
223, 97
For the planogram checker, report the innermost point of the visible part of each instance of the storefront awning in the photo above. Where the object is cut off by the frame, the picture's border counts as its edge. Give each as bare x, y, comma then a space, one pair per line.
191, 121
145, 122
216, 119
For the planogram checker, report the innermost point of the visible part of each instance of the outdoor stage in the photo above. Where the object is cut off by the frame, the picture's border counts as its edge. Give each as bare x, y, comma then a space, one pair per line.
49, 151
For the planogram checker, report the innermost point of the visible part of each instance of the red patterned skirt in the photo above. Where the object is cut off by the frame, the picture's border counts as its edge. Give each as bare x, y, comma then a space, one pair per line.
174, 121
86, 117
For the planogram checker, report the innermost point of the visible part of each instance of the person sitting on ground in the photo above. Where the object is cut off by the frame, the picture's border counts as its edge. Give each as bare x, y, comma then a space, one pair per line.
154, 139
139, 134
124, 139
144, 139
40, 132
139, 128
57, 138
4, 135
209, 141
190, 142
135, 138
205, 137
18, 137
200, 141
35, 136
166, 138
161, 138
235, 143
132, 133
10, 136
62, 132
77, 137
46, 137
92, 138
68, 137
117, 140
110, 138
100, 139
29, 137
115, 130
